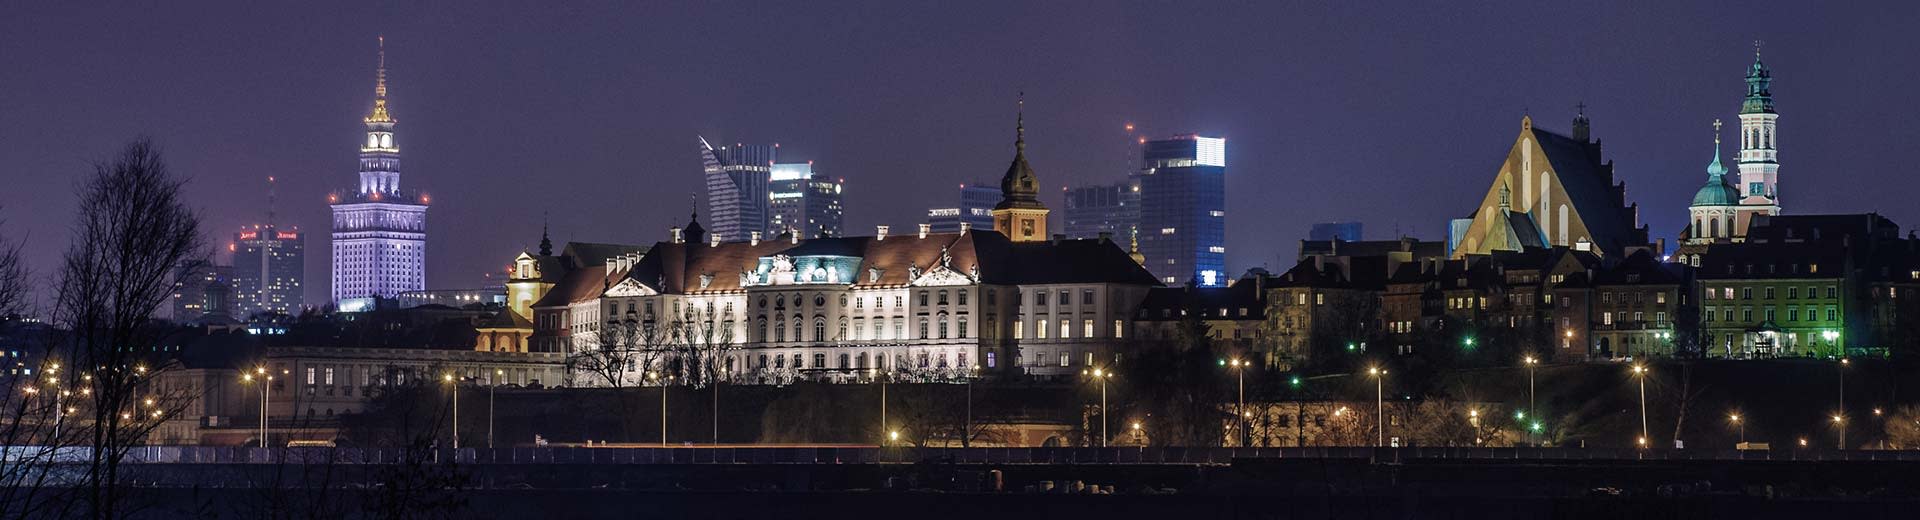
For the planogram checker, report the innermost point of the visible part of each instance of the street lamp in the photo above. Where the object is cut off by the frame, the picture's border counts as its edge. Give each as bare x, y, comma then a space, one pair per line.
1840, 423
966, 428
1742, 426
454, 388
1101, 376
1531, 362
497, 374
1640, 373
1842, 370
1468, 343
1240, 372
266, 396
1380, 406
655, 377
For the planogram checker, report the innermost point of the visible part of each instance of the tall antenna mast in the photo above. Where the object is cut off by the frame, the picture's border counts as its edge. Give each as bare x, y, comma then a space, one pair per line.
270, 202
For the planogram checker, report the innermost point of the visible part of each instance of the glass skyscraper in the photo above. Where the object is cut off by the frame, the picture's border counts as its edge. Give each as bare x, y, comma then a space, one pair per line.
1103, 208
1183, 209
738, 189
975, 209
268, 264
807, 201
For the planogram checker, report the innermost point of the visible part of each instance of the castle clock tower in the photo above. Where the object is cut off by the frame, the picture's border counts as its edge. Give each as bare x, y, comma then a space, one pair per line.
1020, 215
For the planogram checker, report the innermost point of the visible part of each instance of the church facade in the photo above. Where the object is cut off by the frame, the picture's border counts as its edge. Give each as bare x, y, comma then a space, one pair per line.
1552, 190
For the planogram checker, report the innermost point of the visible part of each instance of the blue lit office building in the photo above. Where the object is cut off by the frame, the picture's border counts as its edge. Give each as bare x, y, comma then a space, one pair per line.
1183, 209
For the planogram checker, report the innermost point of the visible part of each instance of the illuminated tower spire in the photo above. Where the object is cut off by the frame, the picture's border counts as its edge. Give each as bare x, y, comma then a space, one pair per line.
379, 114
380, 157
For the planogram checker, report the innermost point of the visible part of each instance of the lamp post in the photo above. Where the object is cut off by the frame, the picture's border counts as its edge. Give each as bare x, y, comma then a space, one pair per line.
966, 428
1840, 423
454, 387
266, 396
497, 374
1101, 376
883, 398
1379, 406
716, 405
655, 376
1239, 410
1742, 426
1640, 373
1531, 362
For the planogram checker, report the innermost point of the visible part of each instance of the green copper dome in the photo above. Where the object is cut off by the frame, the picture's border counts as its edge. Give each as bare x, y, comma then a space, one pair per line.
1716, 192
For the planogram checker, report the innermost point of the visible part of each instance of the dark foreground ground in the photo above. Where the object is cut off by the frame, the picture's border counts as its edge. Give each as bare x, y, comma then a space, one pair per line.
1266, 488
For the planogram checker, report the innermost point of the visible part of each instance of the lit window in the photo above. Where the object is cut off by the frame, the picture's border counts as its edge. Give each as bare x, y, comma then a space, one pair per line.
1166, 231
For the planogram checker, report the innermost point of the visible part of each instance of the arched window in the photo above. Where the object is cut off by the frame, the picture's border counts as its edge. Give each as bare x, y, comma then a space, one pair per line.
819, 328
963, 326
1714, 229
798, 322
923, 328
780, 328
943, 326
843, 329
1562, 222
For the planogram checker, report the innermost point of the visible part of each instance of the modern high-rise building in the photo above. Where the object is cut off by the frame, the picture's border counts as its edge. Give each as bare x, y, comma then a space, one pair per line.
191, 283
806, 201
739, 188
1103, 208
268, 270
975, 209
1183, 209
379, 230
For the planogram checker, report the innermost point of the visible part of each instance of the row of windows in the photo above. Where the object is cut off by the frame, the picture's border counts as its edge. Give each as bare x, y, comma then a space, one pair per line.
1746, 293
1793, 314
1065, 329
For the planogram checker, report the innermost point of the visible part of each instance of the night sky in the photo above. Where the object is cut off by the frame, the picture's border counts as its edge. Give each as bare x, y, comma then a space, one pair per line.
1394, 116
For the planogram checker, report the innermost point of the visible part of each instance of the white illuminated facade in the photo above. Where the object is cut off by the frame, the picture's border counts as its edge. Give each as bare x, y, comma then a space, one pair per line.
379, 230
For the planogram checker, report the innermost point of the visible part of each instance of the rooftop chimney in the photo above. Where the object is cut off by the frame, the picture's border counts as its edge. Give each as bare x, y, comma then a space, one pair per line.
753, 238
713, 240
879, 233
924, 229
675, 231
1106, 237
965, 227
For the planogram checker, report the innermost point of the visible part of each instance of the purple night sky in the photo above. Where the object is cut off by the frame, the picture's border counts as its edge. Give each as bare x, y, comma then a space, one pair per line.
1392, 116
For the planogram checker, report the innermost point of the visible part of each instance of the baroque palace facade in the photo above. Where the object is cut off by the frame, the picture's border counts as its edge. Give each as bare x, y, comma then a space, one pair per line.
921, 306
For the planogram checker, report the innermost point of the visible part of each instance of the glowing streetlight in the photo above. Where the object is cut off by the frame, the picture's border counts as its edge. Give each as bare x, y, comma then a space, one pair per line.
454, 388
1101, 375
1840, 423
266, 396
1240, 372
1640, 373
1741, 425
1530, 362
1380, 405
